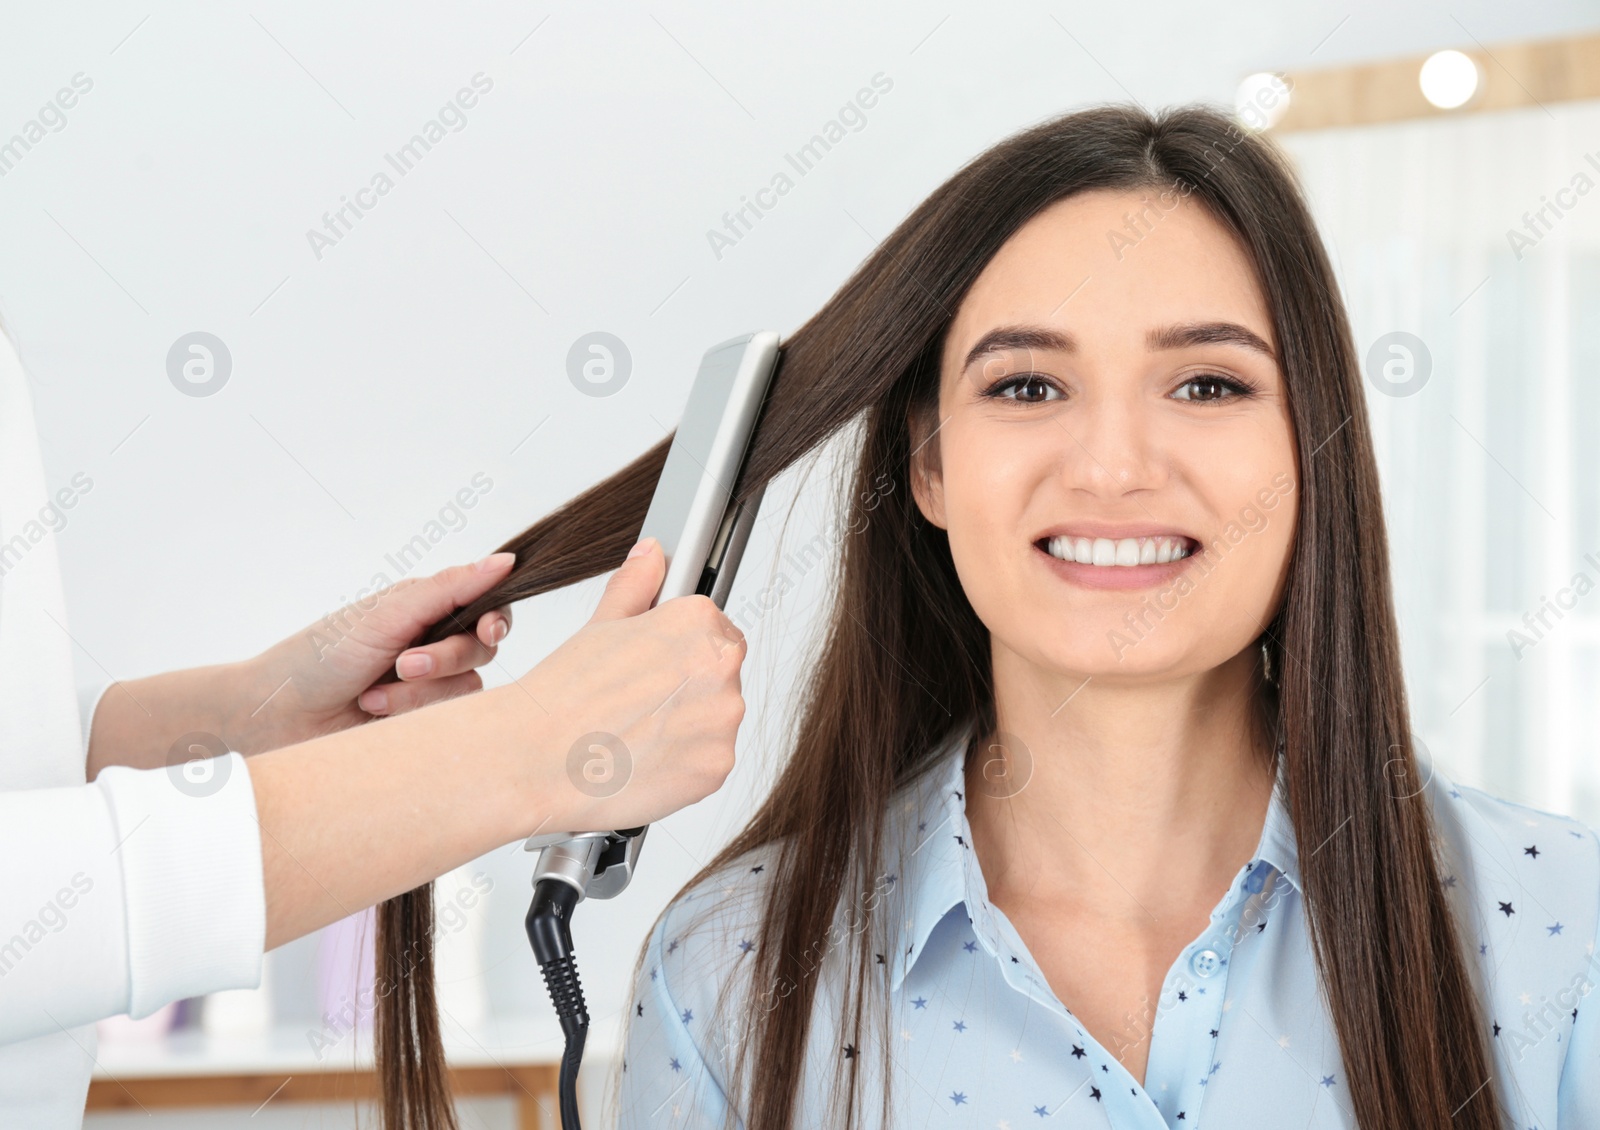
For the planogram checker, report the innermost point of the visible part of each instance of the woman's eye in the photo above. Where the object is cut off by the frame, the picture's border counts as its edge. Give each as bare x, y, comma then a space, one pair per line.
1210, 387
1030, 388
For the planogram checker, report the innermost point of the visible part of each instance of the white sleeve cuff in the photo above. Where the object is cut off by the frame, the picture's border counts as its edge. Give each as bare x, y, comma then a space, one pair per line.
190, 849
88, 704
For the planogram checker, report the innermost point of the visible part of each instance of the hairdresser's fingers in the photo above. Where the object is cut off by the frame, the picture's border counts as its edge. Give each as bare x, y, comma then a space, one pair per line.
635, 583
494, 626
412, 605
698, 616
730, 643
397, 698
450, 656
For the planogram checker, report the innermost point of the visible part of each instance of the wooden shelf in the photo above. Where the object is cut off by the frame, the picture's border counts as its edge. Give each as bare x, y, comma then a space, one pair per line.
1513, 76
519, 1059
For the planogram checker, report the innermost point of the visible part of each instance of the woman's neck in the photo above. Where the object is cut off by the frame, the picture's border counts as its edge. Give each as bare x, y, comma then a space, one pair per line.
1131, 801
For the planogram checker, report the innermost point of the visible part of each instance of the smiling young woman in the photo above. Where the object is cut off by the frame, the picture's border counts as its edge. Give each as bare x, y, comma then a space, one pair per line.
1103, 806
1103, 803
1079, 443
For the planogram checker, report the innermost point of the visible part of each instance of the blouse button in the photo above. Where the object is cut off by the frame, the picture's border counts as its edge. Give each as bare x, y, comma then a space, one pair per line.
1204, 963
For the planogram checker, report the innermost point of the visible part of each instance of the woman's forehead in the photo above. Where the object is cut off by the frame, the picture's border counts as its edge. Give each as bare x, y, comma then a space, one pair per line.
1111, 268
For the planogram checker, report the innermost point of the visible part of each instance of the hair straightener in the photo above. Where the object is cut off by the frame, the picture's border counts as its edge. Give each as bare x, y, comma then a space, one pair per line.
703, 532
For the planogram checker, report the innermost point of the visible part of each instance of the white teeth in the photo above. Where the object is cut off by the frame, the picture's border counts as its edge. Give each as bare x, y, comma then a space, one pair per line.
1122, 552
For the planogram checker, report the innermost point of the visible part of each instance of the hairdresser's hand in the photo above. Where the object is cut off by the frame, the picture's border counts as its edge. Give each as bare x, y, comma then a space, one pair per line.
321, 679
642, 704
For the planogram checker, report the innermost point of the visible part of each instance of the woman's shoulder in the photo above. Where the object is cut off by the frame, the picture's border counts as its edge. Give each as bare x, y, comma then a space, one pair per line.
1530, 876
730, 897
719, 914
710, 928
1494, 830
684, 1019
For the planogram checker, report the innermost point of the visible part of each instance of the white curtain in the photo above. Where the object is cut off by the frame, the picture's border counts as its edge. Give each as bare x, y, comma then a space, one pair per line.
1491, 471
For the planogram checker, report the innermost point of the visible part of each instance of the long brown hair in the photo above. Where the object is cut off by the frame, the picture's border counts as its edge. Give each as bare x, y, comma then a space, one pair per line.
905, 657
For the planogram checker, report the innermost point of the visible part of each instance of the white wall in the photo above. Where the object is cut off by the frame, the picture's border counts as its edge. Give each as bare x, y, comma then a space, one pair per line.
371, 384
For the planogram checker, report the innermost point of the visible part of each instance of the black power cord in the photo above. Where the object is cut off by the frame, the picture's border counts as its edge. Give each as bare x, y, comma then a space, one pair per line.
549, 924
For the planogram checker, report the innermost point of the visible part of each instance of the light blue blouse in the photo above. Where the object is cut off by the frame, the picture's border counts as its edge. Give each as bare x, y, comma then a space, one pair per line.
1241, 1036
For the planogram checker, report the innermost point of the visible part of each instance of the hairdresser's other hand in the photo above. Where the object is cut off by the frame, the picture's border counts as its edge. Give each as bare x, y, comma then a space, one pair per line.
644, 703
325, 677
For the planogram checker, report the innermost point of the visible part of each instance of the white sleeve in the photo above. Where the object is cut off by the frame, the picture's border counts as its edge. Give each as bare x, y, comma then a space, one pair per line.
140, 888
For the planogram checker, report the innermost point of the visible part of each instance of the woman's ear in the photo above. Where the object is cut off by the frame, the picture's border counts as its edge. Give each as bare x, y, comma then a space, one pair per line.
926, 470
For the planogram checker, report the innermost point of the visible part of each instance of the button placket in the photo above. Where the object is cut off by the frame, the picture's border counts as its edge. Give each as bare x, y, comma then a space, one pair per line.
1188, 1023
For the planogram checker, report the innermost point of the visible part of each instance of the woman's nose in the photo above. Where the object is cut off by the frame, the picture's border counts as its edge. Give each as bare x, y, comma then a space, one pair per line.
1114, 448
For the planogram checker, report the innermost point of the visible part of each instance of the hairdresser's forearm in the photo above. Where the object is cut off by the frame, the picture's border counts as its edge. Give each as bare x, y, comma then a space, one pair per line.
138, 720
355, 817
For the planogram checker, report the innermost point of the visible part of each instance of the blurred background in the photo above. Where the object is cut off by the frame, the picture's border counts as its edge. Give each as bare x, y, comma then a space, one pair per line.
260, 399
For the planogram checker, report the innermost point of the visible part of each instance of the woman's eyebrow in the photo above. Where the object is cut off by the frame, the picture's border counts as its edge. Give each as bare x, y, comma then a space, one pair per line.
1021, 337
1045, 338
1207, 333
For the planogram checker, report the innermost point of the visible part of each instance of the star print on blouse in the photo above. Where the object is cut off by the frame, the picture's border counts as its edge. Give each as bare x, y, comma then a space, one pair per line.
1505, 908
1533, 851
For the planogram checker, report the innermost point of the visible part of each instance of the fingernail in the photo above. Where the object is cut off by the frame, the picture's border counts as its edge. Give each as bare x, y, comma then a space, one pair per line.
641, 549
498, 631
496, 561
412, 664
374, 701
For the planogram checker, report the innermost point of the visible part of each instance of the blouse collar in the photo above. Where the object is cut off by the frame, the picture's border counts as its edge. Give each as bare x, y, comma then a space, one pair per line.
932, 867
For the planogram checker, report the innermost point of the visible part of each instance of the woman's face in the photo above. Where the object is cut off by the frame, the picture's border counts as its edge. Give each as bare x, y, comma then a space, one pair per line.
1115, 463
